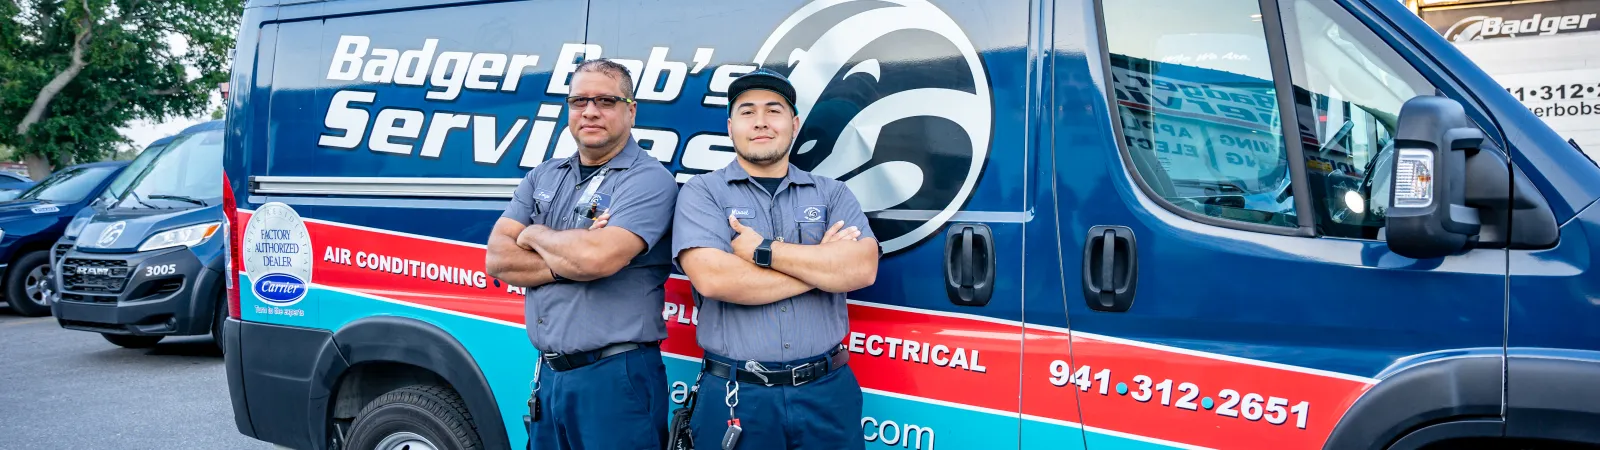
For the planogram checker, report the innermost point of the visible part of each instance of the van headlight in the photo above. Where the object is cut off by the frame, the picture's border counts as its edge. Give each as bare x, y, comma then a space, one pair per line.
76, 226
182, 237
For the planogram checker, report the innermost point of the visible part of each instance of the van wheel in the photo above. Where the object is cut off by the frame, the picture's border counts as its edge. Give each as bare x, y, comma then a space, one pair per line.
127, 341
26, 287
419, 417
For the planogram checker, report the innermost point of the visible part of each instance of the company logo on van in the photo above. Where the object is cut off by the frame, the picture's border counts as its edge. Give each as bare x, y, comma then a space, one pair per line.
1489, 27
907, 134
280, 288
110, 235
893, 98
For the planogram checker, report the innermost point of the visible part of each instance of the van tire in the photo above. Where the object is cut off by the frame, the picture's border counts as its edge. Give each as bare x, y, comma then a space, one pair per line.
131, 341
433, 413
20, 293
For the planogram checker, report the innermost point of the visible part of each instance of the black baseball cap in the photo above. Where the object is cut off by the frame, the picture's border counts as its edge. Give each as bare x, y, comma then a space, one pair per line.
761, 79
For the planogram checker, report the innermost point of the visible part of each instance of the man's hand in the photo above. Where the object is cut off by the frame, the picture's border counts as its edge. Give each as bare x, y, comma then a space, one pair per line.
600, 222
744, 245
835, 234
525, 238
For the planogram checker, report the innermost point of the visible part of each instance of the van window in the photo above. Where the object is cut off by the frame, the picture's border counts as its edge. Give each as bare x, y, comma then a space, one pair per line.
1348, 89
1198, 109
186, 173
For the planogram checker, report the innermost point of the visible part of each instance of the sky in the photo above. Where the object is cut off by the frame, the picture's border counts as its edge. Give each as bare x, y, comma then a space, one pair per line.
143, 132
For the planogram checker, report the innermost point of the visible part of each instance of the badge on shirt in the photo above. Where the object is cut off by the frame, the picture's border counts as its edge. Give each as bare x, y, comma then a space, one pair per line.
543, 195
742, 212
602, 202
811, 214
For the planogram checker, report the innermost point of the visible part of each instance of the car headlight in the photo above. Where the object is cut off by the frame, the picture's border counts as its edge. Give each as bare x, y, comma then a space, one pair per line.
182, 237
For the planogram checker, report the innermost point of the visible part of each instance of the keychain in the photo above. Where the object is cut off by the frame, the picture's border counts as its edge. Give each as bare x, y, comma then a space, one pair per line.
731, 437
534, 409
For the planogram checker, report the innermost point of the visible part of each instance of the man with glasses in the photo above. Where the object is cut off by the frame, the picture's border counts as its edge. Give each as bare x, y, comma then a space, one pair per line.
586, 235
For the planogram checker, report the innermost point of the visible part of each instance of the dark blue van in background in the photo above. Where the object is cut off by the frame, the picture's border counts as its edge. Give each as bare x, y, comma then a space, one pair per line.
33, 222
141, 264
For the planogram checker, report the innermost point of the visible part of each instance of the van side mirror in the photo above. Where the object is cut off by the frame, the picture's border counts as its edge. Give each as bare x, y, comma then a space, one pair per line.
1428, 215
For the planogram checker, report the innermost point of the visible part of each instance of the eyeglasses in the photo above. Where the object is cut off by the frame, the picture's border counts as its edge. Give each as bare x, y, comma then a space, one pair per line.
603, 101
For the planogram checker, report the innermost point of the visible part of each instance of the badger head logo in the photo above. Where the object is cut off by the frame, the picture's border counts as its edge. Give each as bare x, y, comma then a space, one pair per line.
894, 101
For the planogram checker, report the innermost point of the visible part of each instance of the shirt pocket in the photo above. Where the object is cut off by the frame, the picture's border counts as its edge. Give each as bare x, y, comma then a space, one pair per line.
813, 223
542, 206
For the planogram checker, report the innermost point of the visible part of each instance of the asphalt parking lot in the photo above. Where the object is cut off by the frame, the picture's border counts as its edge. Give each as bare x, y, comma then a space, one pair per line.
72, 389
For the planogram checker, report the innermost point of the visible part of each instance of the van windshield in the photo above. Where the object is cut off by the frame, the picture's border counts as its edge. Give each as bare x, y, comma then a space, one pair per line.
187, 172
68, 186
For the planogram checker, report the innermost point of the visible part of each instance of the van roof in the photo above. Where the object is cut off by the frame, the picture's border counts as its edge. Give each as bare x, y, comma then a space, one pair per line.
203, 126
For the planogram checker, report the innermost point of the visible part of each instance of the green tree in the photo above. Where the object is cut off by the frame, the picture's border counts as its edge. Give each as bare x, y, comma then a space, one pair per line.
73, 71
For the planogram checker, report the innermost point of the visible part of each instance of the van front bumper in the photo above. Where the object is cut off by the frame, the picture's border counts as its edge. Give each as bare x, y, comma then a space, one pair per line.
155, 293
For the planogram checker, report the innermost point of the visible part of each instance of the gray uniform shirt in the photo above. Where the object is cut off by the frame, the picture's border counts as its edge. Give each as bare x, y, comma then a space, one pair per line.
574, 316
802, 326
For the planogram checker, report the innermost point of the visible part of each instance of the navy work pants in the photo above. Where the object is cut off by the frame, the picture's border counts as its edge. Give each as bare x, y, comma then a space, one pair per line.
619, 403
822, 414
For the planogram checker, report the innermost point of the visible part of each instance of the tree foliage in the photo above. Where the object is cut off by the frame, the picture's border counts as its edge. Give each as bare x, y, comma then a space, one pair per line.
73, 71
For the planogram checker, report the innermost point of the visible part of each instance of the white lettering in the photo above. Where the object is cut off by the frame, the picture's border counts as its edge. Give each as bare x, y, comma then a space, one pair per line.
652, 76
538, 144
857, 342
381, 70
484, 148
911, 350
519, 63
959, 360
439, 130
706, 152
660, 143
668, 310
940, 360
485, 65
872, 345
978, 367
721, 79
352, 121
560, 79
347, 56
448, 73
392, 123
893, 344
414, 64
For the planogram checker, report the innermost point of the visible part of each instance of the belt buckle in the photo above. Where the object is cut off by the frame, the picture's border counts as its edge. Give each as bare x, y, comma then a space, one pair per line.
794, 373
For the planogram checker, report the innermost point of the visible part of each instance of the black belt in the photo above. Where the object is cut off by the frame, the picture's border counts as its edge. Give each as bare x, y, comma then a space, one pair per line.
798, 375
564, 362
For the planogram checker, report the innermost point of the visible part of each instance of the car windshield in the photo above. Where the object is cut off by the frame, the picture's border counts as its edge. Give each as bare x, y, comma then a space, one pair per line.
187, 172
119, 186
68, 185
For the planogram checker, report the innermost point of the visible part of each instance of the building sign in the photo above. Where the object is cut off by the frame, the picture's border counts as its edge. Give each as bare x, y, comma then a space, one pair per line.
1462, 24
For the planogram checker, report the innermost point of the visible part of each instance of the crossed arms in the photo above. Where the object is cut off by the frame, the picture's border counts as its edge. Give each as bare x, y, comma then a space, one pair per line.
529, 256
840, 262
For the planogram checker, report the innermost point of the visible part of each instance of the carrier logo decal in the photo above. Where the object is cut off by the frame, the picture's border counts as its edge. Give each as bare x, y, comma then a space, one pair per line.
899, 131
277, 254
110, 235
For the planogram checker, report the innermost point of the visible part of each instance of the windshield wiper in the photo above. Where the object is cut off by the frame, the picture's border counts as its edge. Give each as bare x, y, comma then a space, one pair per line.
178, 198
140, 200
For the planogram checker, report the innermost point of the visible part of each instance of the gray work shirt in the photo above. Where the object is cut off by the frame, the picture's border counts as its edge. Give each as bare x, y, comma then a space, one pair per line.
575, 316
802, 326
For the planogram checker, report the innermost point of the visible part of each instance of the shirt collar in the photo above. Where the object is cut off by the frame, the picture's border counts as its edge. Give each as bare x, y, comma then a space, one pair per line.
735, 172
623, 160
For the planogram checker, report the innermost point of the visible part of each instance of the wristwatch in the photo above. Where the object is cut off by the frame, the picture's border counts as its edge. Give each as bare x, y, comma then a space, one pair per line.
763, 256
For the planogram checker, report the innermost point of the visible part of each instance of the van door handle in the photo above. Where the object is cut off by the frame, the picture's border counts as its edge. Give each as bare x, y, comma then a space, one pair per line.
969, 264
1110, 268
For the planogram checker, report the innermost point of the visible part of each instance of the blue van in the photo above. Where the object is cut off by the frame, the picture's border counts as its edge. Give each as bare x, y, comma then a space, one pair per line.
31, 224
1106, 224
141, 264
